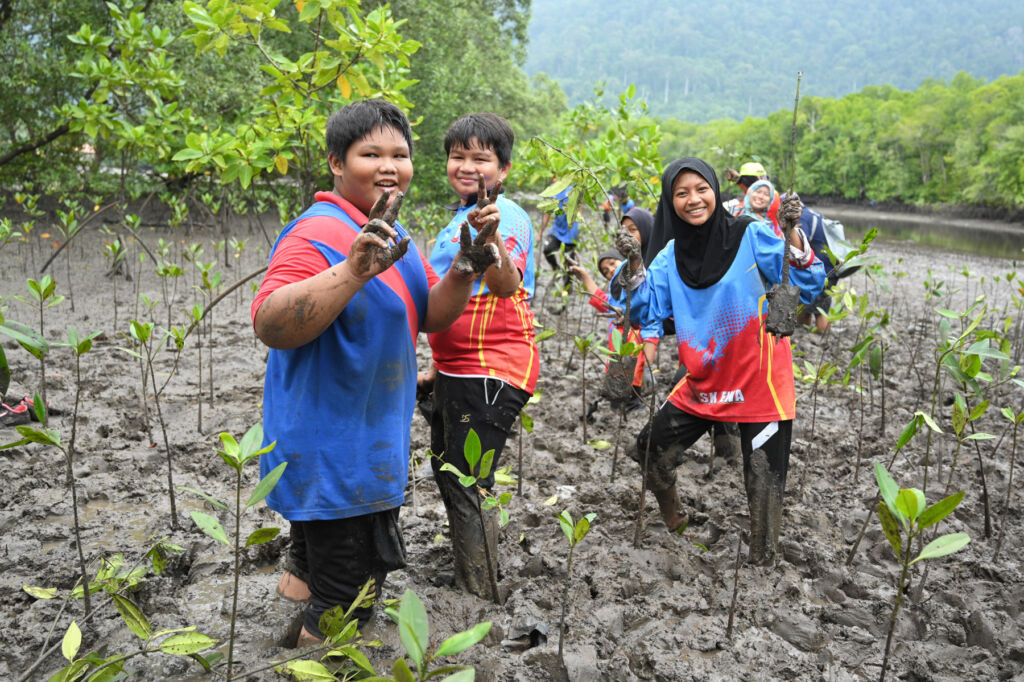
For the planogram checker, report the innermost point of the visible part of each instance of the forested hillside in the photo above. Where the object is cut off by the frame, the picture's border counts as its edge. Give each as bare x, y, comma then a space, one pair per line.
728, 59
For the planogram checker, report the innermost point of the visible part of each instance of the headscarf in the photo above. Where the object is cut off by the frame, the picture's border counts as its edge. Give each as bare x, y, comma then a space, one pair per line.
703, 253
748, 209
644, 221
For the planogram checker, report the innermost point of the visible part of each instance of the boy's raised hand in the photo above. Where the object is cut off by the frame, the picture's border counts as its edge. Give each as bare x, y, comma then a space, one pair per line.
476, 255
373, 252
486, 205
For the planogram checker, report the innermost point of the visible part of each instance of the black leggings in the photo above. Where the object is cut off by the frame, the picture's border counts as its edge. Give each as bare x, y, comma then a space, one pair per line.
336, 557
673, 431
552, 245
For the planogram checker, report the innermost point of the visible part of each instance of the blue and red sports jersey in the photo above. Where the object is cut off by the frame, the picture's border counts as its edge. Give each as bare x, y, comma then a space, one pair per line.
339, 407
736, 371
494, 336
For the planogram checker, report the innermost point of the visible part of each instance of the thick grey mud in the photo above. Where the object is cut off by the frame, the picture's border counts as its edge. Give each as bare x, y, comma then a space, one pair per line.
655, 613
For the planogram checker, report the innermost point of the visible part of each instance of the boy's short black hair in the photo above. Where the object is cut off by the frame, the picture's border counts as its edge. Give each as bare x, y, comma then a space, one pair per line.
746, 181
353, 121
491, 131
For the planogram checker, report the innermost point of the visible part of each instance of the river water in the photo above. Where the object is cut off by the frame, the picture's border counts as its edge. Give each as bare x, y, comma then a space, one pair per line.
983, 237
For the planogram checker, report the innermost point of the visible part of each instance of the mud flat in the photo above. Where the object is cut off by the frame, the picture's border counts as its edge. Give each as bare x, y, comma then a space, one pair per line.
659, 612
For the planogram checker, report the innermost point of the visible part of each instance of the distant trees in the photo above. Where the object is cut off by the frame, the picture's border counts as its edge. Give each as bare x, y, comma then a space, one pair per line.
960, 142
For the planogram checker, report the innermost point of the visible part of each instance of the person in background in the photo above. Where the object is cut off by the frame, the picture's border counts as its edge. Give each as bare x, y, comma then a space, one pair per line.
757, 203
561, 237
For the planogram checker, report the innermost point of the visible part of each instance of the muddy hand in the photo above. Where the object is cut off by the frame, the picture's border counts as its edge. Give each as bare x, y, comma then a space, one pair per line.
376, 248
790, 211
483, 197
382, 211
628, 246
476, 255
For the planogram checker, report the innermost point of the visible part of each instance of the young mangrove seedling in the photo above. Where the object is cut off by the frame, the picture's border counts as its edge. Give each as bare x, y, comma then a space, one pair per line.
904, 514
574, 532
583, 345
472, 453
51, 438
414, 631
236, 455
43, 294
1015, 419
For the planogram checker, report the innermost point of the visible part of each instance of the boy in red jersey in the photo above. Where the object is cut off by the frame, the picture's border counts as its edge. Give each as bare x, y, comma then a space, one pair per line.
486, 363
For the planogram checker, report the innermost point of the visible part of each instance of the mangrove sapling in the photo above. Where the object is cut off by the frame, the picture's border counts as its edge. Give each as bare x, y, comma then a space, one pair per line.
44, 296
142, 332
1015, 419
472, 453
211, 283
574, 532
584, 345
904, 514
68, 226
909, 431
237, 455
27, 338
51, 438
114, 251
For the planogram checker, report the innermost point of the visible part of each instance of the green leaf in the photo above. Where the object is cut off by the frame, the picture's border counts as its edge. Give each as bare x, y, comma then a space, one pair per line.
466, 675
41, 592
401, 671
582, 527
939, 510
930, 422
908, 432
471, 450
333, 622
557, 186
979, 410
527, 421
307, 671
357, 657
413, 628
981, 435
599, 444
544, 335
261, 535
71, 672
461, 641
566, 524
943, 545
890, 526
213, 501
133, 617
5, 373
486, 463
187, 643
910, 502
72, 641
887, 487
210, 526
266, 485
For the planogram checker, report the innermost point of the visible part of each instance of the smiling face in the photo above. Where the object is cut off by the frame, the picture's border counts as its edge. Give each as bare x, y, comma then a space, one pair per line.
608, 266
375, 163
466, 164
760, 198
693, 198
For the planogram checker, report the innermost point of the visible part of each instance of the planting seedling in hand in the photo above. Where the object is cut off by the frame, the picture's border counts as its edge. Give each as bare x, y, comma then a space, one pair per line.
708, 260
485, 365
345, 295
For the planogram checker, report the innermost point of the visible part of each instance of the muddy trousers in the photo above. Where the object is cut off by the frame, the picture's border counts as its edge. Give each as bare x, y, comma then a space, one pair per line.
336, 557
489, 407
765, 448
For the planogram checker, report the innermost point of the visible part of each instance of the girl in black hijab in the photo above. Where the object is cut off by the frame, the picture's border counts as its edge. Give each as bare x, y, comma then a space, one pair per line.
710, 271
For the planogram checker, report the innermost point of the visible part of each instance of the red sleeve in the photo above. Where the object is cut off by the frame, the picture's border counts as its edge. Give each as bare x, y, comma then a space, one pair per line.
294, 260
599, 299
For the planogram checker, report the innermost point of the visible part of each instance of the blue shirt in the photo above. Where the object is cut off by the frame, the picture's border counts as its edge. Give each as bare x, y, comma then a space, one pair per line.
561, 230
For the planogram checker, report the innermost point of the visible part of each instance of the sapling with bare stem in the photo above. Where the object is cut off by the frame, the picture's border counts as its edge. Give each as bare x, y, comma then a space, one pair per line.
1015, 419
584, 345
51, 438
44, 296
236, 455
473, 455
574, 532
904, 514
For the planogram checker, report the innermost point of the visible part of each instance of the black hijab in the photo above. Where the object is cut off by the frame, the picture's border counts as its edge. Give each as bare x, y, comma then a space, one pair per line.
644, 222
705, 252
